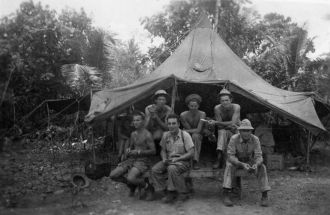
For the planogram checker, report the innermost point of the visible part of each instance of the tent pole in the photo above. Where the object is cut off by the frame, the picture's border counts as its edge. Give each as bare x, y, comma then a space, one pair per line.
91, 134
308, 148
174, 89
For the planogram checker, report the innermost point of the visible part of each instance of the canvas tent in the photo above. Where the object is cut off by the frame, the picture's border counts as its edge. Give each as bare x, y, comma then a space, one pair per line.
204, 58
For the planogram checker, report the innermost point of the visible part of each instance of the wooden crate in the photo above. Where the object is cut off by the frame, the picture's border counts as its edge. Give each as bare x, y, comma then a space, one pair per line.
275, 162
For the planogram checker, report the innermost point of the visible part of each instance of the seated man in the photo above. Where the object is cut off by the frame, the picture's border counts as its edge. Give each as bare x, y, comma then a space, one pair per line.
244, 151
156, 115
192, 123
177, 149
227, 116
140, 146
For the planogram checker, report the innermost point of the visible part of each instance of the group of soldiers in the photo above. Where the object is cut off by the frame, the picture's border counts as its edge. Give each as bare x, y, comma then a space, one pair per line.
179, 149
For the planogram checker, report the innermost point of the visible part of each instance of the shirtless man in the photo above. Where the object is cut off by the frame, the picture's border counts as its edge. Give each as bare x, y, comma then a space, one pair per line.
156, 115
227, 115
141, 146
191, 122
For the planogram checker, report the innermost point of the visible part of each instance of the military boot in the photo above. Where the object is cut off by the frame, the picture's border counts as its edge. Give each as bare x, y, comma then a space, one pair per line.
217, 163
264, 199
150, 192
170, 197
132, 189
226, 198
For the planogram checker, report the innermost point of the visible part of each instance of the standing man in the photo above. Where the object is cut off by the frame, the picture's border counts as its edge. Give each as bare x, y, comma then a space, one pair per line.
156, 115
227, 115
141, 146
192, 123
244, 152
177, 149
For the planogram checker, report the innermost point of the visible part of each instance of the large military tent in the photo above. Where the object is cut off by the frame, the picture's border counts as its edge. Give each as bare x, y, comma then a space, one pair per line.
204, 59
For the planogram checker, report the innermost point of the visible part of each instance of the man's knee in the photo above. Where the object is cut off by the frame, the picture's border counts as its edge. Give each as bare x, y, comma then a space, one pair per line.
117, 172
262, 169
222, 132
131, 178
172, 169
229, 165
114, 174
156, 169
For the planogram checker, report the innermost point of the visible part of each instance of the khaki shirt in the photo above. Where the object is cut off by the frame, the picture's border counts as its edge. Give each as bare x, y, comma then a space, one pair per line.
249, 151
178, 145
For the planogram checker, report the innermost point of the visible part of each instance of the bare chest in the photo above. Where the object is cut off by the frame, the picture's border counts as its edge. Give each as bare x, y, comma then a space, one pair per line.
192, 119
139, 141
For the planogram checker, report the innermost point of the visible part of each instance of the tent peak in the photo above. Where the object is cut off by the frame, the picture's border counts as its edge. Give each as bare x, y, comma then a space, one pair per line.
203, 22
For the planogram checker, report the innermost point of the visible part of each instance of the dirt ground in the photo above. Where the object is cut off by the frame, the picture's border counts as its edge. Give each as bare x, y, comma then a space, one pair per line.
293, 192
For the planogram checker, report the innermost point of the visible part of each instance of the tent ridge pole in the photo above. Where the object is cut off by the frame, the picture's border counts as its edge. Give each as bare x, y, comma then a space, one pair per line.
174, 89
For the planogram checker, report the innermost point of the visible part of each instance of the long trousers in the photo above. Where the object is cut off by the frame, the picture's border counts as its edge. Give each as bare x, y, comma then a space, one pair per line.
261, 174
170, 177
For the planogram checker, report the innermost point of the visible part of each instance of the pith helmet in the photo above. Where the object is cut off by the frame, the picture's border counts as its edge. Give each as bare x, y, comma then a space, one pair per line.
245, 125
160, 93
224, 92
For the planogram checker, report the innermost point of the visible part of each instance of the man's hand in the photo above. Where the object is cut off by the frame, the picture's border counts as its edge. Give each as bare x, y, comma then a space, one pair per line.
133, 153
176, 159
166, 161
152, 111
254, 166
246, 166
211, 122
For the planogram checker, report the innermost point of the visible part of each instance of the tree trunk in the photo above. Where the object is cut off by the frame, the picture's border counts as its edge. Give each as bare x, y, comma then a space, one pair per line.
217, 14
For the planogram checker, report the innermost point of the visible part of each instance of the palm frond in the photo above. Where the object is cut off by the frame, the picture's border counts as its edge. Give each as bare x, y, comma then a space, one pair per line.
76, 75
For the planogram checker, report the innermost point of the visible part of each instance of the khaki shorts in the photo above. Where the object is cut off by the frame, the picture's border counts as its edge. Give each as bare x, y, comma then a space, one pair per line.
129, 163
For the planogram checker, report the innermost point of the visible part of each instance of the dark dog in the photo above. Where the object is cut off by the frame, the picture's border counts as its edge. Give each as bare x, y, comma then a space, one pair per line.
97, 171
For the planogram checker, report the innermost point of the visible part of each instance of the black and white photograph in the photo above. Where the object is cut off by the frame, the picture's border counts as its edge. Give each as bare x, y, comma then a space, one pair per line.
161, 107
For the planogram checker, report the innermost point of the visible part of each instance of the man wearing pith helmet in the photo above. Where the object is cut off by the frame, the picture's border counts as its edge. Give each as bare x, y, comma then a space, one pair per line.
244, 152
227, 115
191, 122
157, 113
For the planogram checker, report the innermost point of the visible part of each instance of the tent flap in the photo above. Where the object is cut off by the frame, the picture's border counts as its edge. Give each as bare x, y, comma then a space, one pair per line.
108, 102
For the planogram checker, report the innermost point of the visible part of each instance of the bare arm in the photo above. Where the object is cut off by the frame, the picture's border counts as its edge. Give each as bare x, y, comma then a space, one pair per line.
163, 153
199, 126
148, 116
126, 148
235, 118
151, 146
184, 122
160, 122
